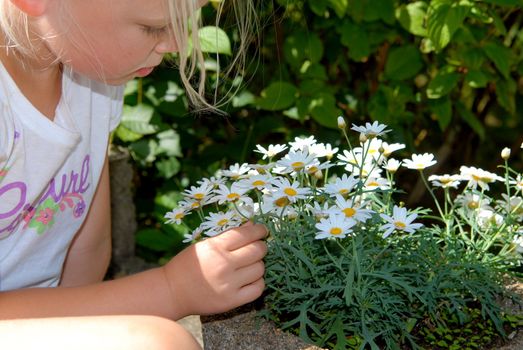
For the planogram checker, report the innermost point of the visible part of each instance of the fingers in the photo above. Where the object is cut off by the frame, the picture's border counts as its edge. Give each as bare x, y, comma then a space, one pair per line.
243, 235
249, 274
249, 254
251, 292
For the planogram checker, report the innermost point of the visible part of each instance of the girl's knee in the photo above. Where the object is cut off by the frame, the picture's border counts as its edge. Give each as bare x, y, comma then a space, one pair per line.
98, 332
160, 333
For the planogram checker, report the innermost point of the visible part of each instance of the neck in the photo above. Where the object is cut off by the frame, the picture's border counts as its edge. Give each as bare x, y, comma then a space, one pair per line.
39, 81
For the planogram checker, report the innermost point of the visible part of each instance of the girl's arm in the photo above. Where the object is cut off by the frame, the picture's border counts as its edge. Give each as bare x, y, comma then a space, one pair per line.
90, 252
212, 276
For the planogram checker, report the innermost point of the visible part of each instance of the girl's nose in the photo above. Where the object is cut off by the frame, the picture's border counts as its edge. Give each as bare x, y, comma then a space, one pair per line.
166, 45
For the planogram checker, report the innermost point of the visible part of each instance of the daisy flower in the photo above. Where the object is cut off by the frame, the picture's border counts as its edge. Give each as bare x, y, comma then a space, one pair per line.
399, 221
296, 160
392, 165
371, 130
293, 192
193, 236
262, 168
351, 209
317, 166
302, 143
270, 151
471, 201
445, 181
373, 183
318, 211
371, 148
518, 182
335, 226
478, 177
213, 182
236, 171
387, 148
236, 193
176, 216
343, 185
518, 239
512, 205
216, 223
419, 161
200, 193
259, 182
323, 150
487, 218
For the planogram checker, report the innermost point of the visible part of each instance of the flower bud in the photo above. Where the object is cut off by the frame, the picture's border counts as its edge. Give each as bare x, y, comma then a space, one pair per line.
363, 138
505, 153
341, 122
318, 174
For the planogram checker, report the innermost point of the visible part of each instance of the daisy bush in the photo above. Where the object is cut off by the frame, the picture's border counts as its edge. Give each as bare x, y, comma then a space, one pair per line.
349, 265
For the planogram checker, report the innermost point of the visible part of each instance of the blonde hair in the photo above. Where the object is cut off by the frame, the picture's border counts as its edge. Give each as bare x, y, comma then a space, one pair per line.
186, 20
244, 17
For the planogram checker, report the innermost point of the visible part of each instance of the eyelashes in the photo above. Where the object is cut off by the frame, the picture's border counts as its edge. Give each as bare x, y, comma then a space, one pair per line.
155, 32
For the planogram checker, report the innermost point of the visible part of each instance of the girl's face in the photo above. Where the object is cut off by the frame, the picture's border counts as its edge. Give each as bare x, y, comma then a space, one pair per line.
108, 40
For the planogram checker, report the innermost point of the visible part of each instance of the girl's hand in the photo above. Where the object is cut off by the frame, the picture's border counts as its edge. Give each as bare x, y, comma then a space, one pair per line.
219, 273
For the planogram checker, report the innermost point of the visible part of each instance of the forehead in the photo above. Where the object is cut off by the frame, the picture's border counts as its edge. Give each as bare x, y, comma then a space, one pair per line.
151, 10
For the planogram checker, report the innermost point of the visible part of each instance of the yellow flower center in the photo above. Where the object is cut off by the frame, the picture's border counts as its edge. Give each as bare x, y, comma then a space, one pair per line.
233, 196
195, 205
313, 169
258, 183
222, 222
199, 196
289, 191
400, 225
372, 184
335, 231
297, 165
349, 212
343, 191
281, 202
473, 205
179, 216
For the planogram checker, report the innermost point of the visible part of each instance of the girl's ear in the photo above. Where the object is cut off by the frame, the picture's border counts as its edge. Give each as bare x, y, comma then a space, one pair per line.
33, 8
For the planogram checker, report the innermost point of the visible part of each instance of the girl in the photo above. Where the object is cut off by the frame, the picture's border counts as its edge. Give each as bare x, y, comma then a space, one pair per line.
63, 66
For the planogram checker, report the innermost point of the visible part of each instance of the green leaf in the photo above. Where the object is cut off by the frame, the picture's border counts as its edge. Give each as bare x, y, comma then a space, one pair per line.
169, 143
412, 17
471, 120
155, 240
444, 17
214, 40
356, 39
168, 167
442, 110
442, 84
403, 63
137, 119
127, 135
323, 109
476, 79
505, 2
506, 94
500, 55
243, 99
472, 58
339, 6
277, 96
302, 46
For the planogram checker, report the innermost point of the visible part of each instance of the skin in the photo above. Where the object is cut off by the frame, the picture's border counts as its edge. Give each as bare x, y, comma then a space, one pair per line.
114, 41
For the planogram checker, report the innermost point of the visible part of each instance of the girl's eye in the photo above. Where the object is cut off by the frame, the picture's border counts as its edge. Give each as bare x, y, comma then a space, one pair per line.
154, 31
